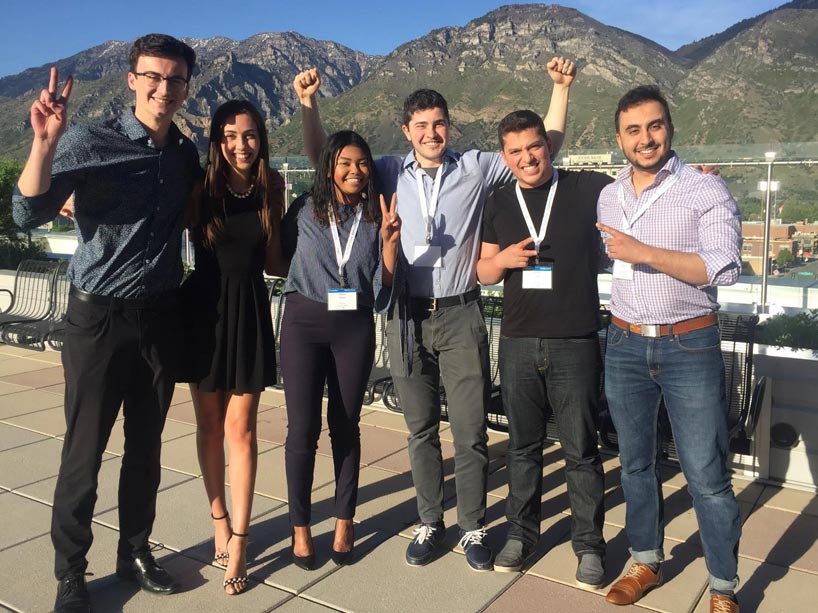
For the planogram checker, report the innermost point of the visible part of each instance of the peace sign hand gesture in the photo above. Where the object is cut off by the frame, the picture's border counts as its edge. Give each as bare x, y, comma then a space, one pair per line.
49, 113
390, 222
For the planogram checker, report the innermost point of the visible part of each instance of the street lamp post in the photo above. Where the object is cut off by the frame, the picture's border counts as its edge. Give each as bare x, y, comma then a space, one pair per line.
768, 188
286, 168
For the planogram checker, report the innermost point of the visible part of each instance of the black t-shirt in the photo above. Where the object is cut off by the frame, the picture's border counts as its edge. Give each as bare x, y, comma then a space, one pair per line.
572, 246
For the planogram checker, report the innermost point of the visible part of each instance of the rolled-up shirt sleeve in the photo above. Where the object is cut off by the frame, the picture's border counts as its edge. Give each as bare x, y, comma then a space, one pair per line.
29, 212
719, 232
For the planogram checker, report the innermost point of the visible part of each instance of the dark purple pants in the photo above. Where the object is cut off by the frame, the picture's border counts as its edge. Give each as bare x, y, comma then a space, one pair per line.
319, 346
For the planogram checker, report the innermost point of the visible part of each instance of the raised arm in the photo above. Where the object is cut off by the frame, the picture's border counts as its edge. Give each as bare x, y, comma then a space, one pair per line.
562, 73
306, 86
49, 117
390, 235
493, 263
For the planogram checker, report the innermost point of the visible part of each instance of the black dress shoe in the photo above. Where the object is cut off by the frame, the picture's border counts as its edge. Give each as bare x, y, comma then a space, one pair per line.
305, 562
342, 557
72, 595
147, 573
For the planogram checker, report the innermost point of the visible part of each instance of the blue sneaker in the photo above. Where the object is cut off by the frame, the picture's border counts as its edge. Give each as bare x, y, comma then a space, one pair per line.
427, 538
478, 555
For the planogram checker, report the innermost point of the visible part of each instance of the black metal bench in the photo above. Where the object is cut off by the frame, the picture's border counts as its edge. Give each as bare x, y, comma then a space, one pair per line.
31, 298
37, 333
743, 399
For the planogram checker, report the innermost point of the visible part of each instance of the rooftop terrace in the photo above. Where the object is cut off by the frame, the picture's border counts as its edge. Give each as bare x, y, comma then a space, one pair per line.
778, 557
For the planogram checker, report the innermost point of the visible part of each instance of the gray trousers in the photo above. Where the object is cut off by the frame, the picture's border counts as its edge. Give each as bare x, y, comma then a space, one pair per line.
451, 344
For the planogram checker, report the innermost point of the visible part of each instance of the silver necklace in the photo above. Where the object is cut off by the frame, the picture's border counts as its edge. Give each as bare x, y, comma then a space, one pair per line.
246, 194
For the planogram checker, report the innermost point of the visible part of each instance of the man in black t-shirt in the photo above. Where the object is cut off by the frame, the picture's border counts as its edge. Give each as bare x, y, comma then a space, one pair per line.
539, 238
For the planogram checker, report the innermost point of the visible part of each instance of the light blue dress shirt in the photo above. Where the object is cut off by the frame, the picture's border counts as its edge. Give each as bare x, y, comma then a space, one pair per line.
468, 178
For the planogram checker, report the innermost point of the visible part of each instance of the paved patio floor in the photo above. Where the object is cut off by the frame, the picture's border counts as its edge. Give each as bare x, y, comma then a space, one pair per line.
778, 556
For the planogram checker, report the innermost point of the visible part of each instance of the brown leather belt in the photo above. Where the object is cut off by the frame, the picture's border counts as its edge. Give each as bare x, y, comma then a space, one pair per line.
657, 330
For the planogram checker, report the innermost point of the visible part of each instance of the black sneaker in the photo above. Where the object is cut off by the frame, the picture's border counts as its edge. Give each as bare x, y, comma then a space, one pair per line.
72, 595
591, 570
428, 537
478, 555
512, 556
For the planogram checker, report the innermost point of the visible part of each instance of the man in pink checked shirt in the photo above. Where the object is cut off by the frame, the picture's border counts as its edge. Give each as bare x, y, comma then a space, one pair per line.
673, 234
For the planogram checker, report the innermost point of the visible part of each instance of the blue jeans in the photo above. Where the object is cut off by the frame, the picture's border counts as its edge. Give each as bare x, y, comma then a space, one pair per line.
562, 373
688, 372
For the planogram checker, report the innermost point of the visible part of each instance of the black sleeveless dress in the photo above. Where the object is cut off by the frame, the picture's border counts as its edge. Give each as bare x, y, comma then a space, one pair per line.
229, 342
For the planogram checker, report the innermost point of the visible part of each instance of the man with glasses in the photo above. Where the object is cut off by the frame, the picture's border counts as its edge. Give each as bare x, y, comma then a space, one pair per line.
131, 177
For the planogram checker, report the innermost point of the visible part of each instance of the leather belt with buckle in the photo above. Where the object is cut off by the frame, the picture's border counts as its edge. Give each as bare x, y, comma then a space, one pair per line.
123, 303
657, 330
433, 304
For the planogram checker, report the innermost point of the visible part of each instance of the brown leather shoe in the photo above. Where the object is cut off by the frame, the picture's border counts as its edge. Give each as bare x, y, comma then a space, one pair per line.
634, 584
722, 604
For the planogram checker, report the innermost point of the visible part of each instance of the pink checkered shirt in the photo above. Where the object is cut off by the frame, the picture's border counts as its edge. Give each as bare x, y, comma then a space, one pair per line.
696, 215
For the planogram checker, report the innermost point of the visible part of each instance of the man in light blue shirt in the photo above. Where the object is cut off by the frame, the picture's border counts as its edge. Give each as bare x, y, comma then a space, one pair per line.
436, 332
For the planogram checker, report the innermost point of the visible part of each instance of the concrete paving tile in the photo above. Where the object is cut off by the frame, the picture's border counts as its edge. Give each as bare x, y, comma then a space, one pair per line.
781, 537
12, 436
397, 462
271, 478
30, 463
271, 425
531, 593
183, 412
50, 422
384, 418
107, 488
273, 397
446, 584
302, 605
181, 393
787, 499
385, 500
183, 518
766, 588
15, 351
9, 368
379, 443
23, 519
43, 377
179, 451
10, 388
59, 388
28, 401
172, 431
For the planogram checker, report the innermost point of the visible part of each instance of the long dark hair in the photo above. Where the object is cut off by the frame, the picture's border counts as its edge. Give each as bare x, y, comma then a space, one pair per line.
323, 187
266, 182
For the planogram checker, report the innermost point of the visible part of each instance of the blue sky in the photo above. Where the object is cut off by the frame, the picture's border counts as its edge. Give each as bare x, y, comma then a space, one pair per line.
36, 33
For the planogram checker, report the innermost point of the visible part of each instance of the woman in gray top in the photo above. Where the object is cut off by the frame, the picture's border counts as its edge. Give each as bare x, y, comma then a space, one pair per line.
343, 251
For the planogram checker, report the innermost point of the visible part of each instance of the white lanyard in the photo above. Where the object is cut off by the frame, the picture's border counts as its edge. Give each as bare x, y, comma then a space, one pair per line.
654, 196
549, 203
343, 258
427, 210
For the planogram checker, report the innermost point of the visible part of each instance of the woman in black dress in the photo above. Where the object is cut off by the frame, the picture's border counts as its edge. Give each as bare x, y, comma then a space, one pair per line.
230, 351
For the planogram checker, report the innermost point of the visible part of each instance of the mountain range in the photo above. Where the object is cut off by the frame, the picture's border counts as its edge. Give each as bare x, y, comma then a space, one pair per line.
756, 82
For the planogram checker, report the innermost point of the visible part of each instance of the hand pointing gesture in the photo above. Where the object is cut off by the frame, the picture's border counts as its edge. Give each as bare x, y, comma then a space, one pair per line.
515, 255
49, 115
621, 246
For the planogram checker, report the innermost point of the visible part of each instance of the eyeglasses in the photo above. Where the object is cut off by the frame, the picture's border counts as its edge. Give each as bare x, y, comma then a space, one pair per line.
155, 79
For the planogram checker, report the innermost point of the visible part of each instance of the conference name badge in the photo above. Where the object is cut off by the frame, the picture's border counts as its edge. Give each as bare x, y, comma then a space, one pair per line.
342, 299
538, 277
428, 256
622, 270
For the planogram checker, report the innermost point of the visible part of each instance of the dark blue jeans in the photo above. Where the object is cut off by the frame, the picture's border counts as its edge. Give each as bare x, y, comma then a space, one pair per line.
562, 372
686, 370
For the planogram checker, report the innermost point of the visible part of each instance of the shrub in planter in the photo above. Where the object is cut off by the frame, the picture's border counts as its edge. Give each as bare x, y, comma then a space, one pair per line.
798, 331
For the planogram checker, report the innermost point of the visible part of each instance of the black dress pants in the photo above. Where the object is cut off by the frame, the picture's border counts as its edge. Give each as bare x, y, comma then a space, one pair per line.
120, 353
317, 347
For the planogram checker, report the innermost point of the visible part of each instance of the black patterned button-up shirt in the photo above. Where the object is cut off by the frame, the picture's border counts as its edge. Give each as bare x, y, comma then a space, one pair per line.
129, 197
